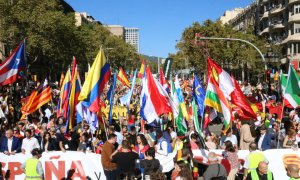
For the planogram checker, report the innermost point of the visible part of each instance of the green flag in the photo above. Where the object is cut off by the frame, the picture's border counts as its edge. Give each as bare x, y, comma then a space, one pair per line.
195, 118
287, 85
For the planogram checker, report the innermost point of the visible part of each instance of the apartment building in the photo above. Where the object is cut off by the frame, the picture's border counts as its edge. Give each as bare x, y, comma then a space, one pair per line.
132, 37
279, 22
84, 18
116, 30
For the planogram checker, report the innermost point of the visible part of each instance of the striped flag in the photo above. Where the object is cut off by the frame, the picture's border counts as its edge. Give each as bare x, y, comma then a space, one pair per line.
98, 76
39, 97
122, 77
217, 100
12, 65
181, 98
142, 70
195, 118
289, 86
62, 107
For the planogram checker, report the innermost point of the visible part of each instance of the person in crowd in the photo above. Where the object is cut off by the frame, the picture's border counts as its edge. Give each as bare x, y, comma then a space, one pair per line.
194, 141
246, 136
130, 121
29, 143
231, 137
109, 168
182, 171
33, 168
17, 133
149, 135
264, 140
290, 139
232, 156
162, 147
150, 164
172, 133
132, 135
48, 144
142, 145
293, 172
62, 140
274, 133
125, 160
10, 145
111, 130
60, 123
124, 131
252, 160
261, 172
215, 169
84, 144
210, 144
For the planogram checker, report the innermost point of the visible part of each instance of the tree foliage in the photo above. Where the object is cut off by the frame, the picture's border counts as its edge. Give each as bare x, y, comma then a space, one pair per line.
232, 53
52, 38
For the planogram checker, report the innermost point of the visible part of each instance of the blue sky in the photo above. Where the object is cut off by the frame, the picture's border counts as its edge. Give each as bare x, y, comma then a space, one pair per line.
161, 22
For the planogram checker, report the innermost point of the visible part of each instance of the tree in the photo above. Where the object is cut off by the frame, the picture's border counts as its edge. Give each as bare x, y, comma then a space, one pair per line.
227, 53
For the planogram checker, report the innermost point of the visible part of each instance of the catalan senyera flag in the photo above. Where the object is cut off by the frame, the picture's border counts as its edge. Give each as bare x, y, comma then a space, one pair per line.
98, 76
122, 77
62, 107
142, 70
39, 97
73, 95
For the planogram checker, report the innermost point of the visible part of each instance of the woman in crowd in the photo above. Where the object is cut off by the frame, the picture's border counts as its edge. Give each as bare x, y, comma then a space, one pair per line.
182, 171
84, 144
232, 156
150, 164
142, 145
47, 143
289, 139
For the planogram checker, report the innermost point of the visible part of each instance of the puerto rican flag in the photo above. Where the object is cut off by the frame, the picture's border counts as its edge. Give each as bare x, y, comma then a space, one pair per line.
10, 68
154, 101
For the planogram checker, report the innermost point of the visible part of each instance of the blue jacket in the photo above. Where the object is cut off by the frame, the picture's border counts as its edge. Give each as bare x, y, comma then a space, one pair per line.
16, 145
267, 142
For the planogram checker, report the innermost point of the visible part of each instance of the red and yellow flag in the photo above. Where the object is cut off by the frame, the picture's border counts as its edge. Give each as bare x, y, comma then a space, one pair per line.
123, 78
142, 70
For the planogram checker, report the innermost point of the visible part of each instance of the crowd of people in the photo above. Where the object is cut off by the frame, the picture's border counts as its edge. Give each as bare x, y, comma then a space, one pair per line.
128, 148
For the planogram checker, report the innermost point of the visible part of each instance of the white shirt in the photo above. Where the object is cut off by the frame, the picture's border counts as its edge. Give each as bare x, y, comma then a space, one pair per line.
119, 137
173, 134
261, 140
162, 148
9, 143
29, 144
233, 139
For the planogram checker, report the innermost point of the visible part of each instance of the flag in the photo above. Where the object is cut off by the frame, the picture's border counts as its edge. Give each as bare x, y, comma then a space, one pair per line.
153, 101
222, 78
180, 98
98, 76
209, 115
293, 82
142, 70
62, 107
38, 98
110, 95
12, 65
195, 118
163, 81
217, 100
73, 96
123, 78
287, 85
177, 112
83, 113
127, 97
240, 100
199, 95
62, 77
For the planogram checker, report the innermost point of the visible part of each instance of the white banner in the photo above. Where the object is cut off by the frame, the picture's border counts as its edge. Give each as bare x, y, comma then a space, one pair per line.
278, 159
57, 165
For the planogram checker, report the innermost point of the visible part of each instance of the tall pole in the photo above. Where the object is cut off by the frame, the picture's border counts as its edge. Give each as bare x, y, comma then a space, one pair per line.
241, 40
157, 65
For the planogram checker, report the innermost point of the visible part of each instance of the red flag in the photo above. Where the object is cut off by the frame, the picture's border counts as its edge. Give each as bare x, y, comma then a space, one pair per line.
240, 100
122, 77
163, 80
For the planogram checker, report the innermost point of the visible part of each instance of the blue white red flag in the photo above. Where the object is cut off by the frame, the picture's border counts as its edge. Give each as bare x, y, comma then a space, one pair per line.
12, 65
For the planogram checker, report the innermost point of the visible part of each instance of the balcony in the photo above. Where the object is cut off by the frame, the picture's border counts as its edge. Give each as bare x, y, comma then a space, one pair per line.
266, 30
294, 18
277, 9
277, 24
265, 15
265, 1
293, 1
292, 38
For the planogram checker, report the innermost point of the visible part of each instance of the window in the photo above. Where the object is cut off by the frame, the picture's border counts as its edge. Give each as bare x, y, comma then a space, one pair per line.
297, 28
296, 9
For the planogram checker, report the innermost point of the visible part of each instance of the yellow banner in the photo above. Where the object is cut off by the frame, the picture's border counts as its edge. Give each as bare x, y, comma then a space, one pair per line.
117, 112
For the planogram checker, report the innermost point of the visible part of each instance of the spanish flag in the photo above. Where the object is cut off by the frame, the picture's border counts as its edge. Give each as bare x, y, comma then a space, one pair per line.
98, 76
39, 97
123, 78
142, 70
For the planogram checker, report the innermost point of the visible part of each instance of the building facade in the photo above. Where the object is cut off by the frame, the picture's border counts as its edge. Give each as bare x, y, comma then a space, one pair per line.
229, 15
132, 37
116, 30
84, 18
245, 19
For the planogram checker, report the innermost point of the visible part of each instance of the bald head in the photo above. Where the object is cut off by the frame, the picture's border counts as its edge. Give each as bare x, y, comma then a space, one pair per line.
9, 133
252, 146
293, 170
263, 167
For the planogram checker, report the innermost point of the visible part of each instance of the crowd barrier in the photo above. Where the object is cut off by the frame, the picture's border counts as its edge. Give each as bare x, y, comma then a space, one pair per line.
58, 164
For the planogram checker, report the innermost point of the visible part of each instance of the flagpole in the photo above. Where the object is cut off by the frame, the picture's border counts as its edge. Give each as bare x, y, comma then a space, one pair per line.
105, 130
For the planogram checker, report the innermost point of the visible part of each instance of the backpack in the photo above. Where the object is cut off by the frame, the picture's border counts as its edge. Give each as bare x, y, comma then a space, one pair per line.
219, 177
169, 146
